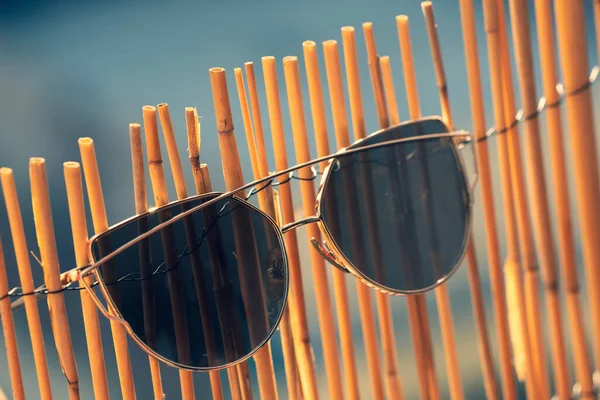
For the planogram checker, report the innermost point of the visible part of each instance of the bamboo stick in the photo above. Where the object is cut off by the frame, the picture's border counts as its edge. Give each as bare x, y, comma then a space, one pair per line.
44, 228
485, 351
141, 206
72, 174
247, 120
538, 192
192, 124
15, 220
256, 146
304, 352
574, 62
566, 246
287, 336
483, 165
203, 185
512, 267
389, 89
265, 197
441, 292
442, 296
513, 259
159, 188
321, 285
526, 242
261, 153
339, 277
392, 376
182, 194
10, 338
520, 321
181, 190
100, 222
358, 124
436, 53
251, 282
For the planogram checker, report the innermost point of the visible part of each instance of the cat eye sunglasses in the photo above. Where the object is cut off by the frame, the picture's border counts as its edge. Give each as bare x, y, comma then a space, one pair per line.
201, 283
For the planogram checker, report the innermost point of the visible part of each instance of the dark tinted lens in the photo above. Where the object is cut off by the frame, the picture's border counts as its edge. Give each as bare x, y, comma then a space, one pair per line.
400, 213
204, 291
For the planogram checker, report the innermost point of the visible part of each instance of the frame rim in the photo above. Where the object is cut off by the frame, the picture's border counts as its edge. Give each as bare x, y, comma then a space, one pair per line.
347, 264
118, 317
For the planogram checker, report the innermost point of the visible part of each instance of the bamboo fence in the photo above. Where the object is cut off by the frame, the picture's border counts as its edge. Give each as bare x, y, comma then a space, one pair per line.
526, 281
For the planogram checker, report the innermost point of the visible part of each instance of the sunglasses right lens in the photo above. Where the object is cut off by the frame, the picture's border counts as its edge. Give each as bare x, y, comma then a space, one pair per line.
401, 214
204, 291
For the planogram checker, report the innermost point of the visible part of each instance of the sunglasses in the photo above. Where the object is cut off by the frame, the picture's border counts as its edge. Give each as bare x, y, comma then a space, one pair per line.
201, 283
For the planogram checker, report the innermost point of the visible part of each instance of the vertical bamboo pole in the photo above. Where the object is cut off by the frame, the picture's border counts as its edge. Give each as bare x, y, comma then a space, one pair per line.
442, 296
44, 228
141, 206
566, 246
192, 124
321, 285
570, 22
537, 189
72, 174
203, 185
441, 293
485, 351
436, 53
251, 282
389, 89
339, 277
385, 317
287, 336
528, 251
100, 222
256, 147
493, 251
261, 153
494, 50
159, 188
304, 351
513, 274
358, 124
181, 189
10, 338
31, 306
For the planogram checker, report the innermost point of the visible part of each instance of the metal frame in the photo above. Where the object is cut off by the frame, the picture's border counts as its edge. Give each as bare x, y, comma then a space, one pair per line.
115, 315
332, 254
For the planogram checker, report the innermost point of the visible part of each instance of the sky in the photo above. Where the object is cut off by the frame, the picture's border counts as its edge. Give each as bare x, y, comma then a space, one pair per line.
85, 69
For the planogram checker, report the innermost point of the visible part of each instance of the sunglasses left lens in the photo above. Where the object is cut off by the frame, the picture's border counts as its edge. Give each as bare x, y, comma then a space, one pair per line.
203, 292
402, 211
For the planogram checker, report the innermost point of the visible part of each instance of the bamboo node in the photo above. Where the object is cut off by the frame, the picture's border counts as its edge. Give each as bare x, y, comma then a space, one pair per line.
226, 132
551, 287
195, 160
443, 88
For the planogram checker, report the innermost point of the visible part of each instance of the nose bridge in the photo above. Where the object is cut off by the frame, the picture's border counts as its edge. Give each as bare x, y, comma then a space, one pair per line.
301, 222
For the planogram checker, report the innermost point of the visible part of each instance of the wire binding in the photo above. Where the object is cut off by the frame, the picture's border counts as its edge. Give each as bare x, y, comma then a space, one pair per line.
520, 117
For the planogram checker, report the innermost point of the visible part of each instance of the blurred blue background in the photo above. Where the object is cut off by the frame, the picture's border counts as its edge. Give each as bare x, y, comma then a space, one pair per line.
72, 69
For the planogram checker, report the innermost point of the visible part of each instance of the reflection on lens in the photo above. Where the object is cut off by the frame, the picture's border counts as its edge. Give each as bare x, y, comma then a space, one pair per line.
401, 214
206, 290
